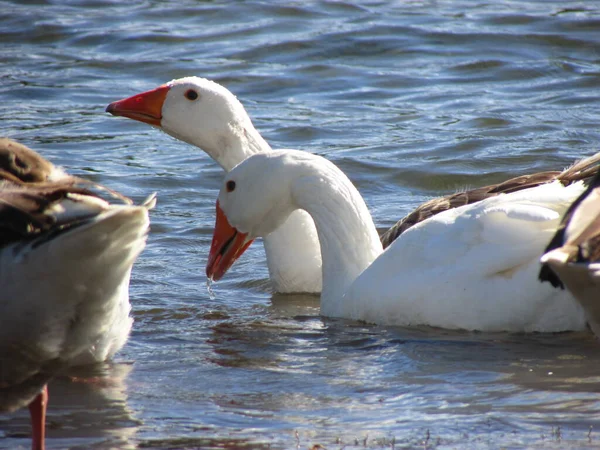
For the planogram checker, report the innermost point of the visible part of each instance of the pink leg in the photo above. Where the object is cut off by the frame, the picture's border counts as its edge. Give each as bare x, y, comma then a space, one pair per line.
37, 410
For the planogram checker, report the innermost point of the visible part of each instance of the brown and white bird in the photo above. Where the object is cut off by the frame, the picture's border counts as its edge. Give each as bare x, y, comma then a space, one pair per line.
66, 255
572, 259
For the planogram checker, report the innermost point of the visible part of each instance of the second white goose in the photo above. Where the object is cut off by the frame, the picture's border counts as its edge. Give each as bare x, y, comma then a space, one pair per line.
473, 267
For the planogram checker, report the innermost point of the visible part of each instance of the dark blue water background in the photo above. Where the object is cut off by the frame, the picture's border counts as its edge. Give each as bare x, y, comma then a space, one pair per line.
413, 99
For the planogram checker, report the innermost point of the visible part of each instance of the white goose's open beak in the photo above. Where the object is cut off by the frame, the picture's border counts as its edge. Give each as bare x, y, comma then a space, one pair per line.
227, 246
145, 107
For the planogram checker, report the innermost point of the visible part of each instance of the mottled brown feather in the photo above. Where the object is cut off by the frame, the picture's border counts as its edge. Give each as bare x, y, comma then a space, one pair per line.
27, 195
20, 164
582, 170
585, 249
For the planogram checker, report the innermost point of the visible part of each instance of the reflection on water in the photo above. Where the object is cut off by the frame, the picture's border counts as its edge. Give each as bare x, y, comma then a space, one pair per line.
458, 386
87, 408
412, 100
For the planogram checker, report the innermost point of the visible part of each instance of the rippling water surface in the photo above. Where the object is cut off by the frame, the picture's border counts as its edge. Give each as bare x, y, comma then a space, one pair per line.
412, 99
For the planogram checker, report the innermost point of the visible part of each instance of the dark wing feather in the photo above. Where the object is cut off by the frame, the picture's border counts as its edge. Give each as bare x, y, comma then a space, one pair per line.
29, 190
441, 204
581, 170
558, 240
25, 211
19, 163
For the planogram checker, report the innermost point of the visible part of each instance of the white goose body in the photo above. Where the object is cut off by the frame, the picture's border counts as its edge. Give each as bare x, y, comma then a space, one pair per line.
214, 120
473, 267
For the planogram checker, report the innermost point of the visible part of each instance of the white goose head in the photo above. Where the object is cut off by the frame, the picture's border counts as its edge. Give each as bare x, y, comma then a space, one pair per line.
199, 112
259, 195
208, 116
255, 199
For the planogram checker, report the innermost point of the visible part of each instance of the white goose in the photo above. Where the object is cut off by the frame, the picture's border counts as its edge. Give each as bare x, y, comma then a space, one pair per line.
65, 260
207, 115
472, 267
573, 256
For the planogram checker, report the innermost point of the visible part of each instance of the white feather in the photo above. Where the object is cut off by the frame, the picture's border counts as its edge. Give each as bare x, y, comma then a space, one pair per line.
473, 267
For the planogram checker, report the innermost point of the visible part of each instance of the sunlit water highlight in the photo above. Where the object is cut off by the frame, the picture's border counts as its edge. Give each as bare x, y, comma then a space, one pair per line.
411, 99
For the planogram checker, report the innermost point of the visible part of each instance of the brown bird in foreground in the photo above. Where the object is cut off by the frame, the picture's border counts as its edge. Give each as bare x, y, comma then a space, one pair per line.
66, 255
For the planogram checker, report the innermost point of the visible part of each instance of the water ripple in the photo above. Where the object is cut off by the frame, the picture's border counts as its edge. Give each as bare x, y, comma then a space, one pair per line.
413, 100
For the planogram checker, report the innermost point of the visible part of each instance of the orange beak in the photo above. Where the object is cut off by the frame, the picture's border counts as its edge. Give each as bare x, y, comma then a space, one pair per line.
145, 107
227, 246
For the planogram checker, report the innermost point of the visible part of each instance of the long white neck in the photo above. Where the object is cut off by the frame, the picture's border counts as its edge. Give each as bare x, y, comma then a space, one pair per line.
243, 141
232, 146
347, 234
292, 251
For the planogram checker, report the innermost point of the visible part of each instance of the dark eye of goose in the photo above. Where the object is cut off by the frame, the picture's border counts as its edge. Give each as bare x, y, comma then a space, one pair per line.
230, 186
191, 94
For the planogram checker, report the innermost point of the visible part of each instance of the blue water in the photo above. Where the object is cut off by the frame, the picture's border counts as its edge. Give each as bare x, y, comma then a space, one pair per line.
412, 100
